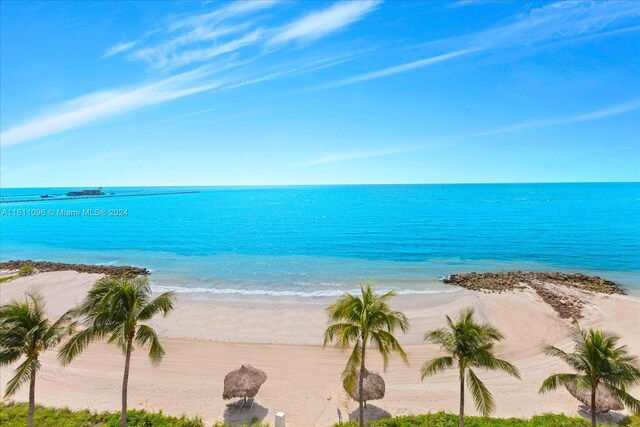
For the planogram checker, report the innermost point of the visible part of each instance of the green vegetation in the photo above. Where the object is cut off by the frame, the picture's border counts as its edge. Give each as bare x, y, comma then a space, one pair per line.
598, 360
15, 415
469, 345
441, 419
363, 319
7, 278
116, 307
26, 270
633, 420
26, 332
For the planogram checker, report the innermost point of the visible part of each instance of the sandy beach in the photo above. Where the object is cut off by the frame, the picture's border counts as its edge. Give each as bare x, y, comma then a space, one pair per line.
207, 336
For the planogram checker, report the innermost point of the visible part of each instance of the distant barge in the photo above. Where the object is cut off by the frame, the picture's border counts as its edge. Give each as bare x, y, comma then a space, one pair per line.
97, 192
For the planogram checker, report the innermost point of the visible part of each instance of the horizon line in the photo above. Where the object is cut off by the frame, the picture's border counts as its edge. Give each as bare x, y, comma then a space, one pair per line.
328, 185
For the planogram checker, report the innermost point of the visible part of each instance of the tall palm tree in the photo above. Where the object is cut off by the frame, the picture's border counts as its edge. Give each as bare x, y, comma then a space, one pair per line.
598, 360
470, 345
115, 308
361, 319
25, 331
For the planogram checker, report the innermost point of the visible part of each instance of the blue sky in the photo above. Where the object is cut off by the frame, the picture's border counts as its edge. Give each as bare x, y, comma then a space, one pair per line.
270, 93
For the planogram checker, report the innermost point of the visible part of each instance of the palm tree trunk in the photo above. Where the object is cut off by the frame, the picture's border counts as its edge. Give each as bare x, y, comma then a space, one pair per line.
360, 385
32, 398
593, 406
125, 381
461, 416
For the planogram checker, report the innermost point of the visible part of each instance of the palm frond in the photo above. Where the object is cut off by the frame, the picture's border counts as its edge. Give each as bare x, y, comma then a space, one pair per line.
163, 303
148, 334
353, 365
630, 402
21, 375
556, 380
481, 395
436, 366
76, 345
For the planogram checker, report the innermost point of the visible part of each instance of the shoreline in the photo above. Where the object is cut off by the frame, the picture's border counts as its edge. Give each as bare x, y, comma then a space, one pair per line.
207, 337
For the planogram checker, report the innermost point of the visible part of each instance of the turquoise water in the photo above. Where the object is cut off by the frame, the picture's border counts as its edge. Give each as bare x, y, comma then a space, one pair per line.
325, 239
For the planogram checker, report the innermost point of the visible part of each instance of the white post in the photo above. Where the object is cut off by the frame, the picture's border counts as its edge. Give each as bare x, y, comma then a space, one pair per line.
280, 419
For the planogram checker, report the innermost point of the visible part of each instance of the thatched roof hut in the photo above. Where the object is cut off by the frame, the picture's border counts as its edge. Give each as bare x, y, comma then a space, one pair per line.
244, 382
605, 400
373, 386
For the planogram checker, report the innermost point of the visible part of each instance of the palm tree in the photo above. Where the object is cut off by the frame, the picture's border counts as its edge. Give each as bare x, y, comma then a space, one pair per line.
115, 308
598, 360
26, 331
359, 319
470, 345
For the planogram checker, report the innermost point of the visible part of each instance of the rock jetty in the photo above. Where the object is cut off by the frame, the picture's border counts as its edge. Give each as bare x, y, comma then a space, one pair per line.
43, 266
556, 289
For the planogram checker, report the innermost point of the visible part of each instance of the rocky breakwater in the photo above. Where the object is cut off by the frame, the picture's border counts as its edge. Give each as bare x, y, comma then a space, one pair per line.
44, 266
565, 292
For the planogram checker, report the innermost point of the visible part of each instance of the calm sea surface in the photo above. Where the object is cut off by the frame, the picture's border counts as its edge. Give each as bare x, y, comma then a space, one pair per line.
325, 239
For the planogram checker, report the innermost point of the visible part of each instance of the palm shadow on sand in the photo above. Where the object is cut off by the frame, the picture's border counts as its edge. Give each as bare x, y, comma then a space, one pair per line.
371, 412
609, 417
236, 416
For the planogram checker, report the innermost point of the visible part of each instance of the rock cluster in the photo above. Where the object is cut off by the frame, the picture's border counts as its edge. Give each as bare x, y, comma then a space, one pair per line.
508, 281
109, 270
567, 306
556, 289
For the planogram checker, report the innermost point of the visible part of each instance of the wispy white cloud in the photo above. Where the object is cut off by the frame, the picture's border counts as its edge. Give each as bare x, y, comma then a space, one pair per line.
196, 38
96, 106
614, 110
552, 22
355, 155
399, 68
184, 116
223, 34
463, 3
319, 24
90, 108
120, 47
163, 59
297, 69
232, 10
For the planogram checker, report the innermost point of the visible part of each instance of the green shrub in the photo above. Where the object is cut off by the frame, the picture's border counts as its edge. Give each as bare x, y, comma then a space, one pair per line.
441, 419
15, 415
7, 278
26, 270
137, 418
633, 421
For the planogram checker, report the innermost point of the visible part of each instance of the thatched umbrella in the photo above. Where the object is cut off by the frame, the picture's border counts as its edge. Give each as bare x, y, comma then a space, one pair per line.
373, 385
244, 382
605, 400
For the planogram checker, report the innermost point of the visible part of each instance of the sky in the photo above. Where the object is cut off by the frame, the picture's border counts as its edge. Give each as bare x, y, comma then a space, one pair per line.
300, 93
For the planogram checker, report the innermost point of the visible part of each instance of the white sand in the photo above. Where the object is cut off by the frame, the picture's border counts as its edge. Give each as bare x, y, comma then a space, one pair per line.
205, 339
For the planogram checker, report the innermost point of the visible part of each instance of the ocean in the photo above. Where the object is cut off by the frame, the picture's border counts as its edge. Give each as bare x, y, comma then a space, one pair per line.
322, 240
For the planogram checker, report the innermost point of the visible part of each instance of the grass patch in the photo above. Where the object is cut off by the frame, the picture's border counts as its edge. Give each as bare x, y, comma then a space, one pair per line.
7, 278
15, 415
441, 419
26, 270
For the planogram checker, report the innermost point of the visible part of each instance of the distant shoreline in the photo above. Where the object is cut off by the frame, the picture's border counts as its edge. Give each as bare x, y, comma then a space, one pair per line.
559, 290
